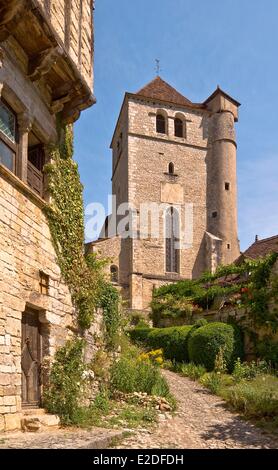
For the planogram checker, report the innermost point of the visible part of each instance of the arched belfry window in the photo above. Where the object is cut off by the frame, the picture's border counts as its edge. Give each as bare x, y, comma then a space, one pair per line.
114, 274
171, 168
160, 124
172, 238
179, 128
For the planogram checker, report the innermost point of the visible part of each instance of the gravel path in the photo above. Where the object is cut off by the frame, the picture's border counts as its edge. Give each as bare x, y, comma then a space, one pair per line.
201, 422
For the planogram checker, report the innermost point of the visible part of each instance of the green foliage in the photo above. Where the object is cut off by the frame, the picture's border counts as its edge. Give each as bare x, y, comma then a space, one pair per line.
205, 343
267, 349
83, 274
130, 375
256, 398
173, 341
185, 298
109, 301
102, 402
212, 381
220, 365
66, 223
139, 334
65, 382
249, 370
193, 371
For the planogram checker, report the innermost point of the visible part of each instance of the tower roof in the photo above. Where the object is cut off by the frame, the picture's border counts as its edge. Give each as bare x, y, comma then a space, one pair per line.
160, 90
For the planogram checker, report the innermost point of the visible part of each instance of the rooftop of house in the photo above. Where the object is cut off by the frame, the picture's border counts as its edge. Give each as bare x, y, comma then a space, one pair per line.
261, 248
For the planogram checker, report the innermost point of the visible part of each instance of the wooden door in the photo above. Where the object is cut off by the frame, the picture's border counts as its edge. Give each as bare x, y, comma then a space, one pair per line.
30, 359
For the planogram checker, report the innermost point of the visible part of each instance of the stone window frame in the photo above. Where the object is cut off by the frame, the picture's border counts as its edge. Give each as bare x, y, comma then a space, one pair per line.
44, 283
114, 274
163, 113
12, 146
181, 117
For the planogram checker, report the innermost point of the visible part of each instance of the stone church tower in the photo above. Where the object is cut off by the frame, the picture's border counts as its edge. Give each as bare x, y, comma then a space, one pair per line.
182, 157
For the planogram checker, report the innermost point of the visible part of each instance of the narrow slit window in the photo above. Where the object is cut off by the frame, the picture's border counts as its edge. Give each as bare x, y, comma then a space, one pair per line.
171, 168
214, 214
114, 274
44, 283
227, 186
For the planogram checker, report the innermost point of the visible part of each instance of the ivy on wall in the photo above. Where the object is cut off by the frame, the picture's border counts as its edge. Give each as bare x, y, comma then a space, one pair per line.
83, 275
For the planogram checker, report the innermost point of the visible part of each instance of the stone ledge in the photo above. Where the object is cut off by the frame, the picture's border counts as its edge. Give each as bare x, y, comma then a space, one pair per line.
66, 438
21, 186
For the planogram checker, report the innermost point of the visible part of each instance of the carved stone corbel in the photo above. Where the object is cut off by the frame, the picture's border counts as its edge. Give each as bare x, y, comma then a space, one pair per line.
43, 62
73, 109
11, 13
25, 122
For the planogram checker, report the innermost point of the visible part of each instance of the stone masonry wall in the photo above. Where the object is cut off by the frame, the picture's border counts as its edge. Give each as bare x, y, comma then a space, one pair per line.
149, 157
25, 249
72, 20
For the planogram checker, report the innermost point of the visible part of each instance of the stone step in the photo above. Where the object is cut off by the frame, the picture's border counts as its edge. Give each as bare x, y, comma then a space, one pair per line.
39, 422
33, 411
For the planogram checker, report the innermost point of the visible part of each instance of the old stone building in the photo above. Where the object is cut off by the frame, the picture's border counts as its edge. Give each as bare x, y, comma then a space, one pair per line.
170, 151
46, 67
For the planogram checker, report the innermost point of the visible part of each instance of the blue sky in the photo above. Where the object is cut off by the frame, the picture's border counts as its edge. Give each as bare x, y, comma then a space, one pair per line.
201, 43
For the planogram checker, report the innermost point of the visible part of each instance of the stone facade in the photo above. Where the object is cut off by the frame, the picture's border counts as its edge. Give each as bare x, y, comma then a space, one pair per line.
191, 169
46, 57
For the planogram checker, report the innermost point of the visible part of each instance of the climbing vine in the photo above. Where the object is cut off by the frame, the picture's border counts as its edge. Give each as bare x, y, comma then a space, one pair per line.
83, 274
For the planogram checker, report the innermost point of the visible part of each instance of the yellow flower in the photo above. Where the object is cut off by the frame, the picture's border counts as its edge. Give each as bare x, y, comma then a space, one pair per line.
159, 360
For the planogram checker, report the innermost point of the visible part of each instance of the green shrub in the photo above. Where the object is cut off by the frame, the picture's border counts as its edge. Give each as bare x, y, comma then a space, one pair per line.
192, 371
130, 375
102, 402
139, 334
173, 341
62, 396
204, 344
245, 370
267, 349
257, 398
212, 381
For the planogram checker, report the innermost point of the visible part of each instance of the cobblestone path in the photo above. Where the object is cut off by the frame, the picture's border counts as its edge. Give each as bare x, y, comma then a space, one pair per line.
201, 422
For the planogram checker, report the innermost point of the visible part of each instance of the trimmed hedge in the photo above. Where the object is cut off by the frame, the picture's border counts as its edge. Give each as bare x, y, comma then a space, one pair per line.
173, 340
205, 342
139, 334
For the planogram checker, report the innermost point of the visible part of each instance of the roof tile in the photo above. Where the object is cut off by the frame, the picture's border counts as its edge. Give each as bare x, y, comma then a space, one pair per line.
261, 248
160, 90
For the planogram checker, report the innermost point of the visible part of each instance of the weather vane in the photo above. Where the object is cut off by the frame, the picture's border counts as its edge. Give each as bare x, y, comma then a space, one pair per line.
157, 68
